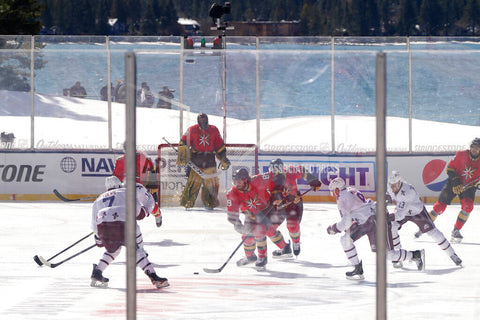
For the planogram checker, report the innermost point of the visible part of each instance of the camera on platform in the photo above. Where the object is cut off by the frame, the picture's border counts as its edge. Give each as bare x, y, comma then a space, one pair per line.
217, 11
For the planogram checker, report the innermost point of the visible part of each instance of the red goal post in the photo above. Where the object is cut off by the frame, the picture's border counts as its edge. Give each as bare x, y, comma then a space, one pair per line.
172, 177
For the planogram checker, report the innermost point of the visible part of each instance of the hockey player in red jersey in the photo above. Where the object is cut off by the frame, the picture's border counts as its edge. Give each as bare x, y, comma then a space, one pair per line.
144, 167
108, 224
200, 144
285, 193
145, 174
463, 178
250, 196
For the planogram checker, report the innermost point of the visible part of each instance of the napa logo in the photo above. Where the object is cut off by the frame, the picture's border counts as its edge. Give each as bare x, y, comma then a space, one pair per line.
97, 167
434, 176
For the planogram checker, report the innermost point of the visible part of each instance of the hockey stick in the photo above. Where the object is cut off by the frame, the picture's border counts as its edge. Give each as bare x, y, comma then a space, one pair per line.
40, 263
243, 240
61, 197
229, 258
193, 166
286, 204
471, 184
54, 265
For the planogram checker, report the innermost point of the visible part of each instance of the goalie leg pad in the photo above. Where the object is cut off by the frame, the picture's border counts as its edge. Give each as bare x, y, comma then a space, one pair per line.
210, 190
192, 188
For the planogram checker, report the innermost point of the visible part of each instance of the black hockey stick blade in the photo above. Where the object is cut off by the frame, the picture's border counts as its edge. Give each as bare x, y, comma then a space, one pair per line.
43, 261
226, 262
38, 261
61, 197
54, 265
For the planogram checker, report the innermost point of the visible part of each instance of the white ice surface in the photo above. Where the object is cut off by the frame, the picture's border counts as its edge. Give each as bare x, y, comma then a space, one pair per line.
313, 286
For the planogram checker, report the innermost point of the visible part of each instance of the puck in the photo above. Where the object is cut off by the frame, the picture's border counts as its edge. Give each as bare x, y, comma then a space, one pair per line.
196, 273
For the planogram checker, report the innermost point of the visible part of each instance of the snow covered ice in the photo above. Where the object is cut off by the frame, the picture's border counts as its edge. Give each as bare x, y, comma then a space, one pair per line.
313, 286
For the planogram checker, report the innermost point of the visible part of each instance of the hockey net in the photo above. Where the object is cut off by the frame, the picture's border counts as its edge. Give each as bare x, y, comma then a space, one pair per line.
172, 177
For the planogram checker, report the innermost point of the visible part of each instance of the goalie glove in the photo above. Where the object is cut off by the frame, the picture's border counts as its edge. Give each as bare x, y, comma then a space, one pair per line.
457, 186
333, 229
225, 164
183, 155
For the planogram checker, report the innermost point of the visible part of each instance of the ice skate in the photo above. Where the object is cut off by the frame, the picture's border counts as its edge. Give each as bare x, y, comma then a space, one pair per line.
296, 248
283, 253
356, 274
419, 259
418, 234
397, 264
456, 259
456, 236
156, 280
261, 263
246, 260
98, 280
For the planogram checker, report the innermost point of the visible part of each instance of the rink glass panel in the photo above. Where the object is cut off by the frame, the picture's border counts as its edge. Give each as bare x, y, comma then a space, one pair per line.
284, 78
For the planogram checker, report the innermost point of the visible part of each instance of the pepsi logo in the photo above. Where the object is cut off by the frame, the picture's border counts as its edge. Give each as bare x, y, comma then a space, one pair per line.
433, 175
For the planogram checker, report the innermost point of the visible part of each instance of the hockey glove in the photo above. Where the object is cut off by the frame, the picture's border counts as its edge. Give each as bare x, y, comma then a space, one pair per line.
315, 184
98, 241
225, 164
156, 211
238, 226
457, 187
332, 229
390, 217
277, 203
295, 199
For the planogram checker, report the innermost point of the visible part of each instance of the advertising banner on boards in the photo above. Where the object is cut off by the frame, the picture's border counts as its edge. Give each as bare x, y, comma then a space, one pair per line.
36, 174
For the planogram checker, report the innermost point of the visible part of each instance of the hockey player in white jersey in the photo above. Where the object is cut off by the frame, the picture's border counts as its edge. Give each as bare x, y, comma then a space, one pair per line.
409, 207
358, 219
108, 224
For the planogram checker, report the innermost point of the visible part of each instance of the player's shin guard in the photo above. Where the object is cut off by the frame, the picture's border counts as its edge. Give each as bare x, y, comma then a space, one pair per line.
438, 209
461, 219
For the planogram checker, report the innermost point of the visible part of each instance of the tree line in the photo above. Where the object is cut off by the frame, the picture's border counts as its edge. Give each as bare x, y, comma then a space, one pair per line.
315, 17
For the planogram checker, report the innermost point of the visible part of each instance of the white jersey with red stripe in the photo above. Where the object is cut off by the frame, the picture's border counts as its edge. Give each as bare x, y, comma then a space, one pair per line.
354, 208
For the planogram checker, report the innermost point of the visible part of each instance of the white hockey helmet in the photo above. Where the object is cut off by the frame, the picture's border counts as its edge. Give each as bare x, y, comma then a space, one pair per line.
112, 182
337, 183
394, 177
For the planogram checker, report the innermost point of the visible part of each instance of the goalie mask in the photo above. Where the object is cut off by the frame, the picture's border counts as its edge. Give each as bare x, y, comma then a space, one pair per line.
202, 120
